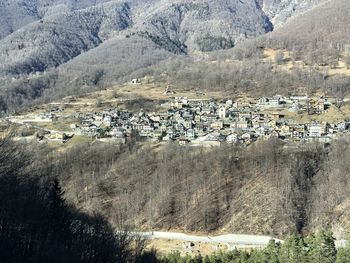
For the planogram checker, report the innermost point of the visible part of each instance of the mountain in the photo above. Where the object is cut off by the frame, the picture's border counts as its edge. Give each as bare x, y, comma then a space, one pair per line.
279, 11
41, 34
324, 27
14, 14
58, 38
179, 27
187, 26
51, 49
66, 45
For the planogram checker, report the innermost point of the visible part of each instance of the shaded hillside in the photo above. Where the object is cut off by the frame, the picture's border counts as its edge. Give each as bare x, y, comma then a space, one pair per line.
59, 38
38, 225
14, 14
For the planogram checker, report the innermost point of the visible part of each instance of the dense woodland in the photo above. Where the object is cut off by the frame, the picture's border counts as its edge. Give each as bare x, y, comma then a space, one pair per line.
37, 224
39, 221
207, 190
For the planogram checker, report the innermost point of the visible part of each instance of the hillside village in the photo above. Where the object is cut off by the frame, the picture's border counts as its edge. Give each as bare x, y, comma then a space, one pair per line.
207, 122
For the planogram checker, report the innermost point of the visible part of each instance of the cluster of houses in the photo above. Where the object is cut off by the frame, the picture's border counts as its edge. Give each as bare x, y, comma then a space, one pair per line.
212, 122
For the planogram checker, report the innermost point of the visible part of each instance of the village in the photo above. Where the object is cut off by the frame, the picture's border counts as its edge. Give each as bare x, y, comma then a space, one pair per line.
205, 122
210, 122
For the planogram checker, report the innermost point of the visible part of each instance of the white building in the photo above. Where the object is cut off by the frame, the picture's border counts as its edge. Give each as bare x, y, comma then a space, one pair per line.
315, 130
222, 113
232, 138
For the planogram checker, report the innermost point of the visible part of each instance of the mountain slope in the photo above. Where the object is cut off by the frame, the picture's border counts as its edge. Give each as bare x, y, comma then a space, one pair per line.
14, 14
187, 26
117, 60
263, 189
59, 38
326, 26
117, 41
279, 11
178, 27
43, 34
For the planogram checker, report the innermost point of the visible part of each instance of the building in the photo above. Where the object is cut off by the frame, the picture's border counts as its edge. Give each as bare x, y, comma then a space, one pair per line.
315, 130
222, 113
232, 138
347, 48
135, 82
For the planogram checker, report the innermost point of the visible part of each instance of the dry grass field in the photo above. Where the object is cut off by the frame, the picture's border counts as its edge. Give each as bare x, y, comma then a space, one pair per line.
165, 247
270, 55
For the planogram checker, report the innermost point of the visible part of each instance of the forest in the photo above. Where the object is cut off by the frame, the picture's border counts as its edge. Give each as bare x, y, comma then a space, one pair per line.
201, 189
204, 189
37, 224
44, 218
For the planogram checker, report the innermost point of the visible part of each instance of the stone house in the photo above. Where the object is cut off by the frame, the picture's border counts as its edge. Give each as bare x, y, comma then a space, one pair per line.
315, 130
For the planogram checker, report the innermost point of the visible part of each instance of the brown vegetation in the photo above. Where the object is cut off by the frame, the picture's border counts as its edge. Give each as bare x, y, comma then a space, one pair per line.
265, 188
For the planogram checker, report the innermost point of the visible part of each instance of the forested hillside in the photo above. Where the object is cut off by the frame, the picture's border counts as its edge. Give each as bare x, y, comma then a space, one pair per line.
178, 28
186, 26
324, 30
38, 225
59, 38
263, 189
279, 11
49, 39
17, 13
266, 188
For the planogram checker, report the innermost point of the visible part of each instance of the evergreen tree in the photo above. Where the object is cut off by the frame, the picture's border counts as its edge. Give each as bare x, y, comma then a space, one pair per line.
172, 258
271, 252
321, 247
343, 254
256, 256
293, 250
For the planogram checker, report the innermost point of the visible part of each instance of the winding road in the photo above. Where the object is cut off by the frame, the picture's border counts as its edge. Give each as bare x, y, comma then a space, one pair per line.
234, 239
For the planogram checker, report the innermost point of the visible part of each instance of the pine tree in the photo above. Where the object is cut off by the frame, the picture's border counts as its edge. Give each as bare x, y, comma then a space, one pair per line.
343, 254
293, 250
322, 247
271, 252
256, 256
58, 222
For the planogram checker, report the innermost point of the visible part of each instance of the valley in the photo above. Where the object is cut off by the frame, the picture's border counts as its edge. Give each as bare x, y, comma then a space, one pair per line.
175, 131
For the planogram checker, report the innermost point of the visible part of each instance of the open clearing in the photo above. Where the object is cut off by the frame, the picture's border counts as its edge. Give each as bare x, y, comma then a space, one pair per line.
287, 64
